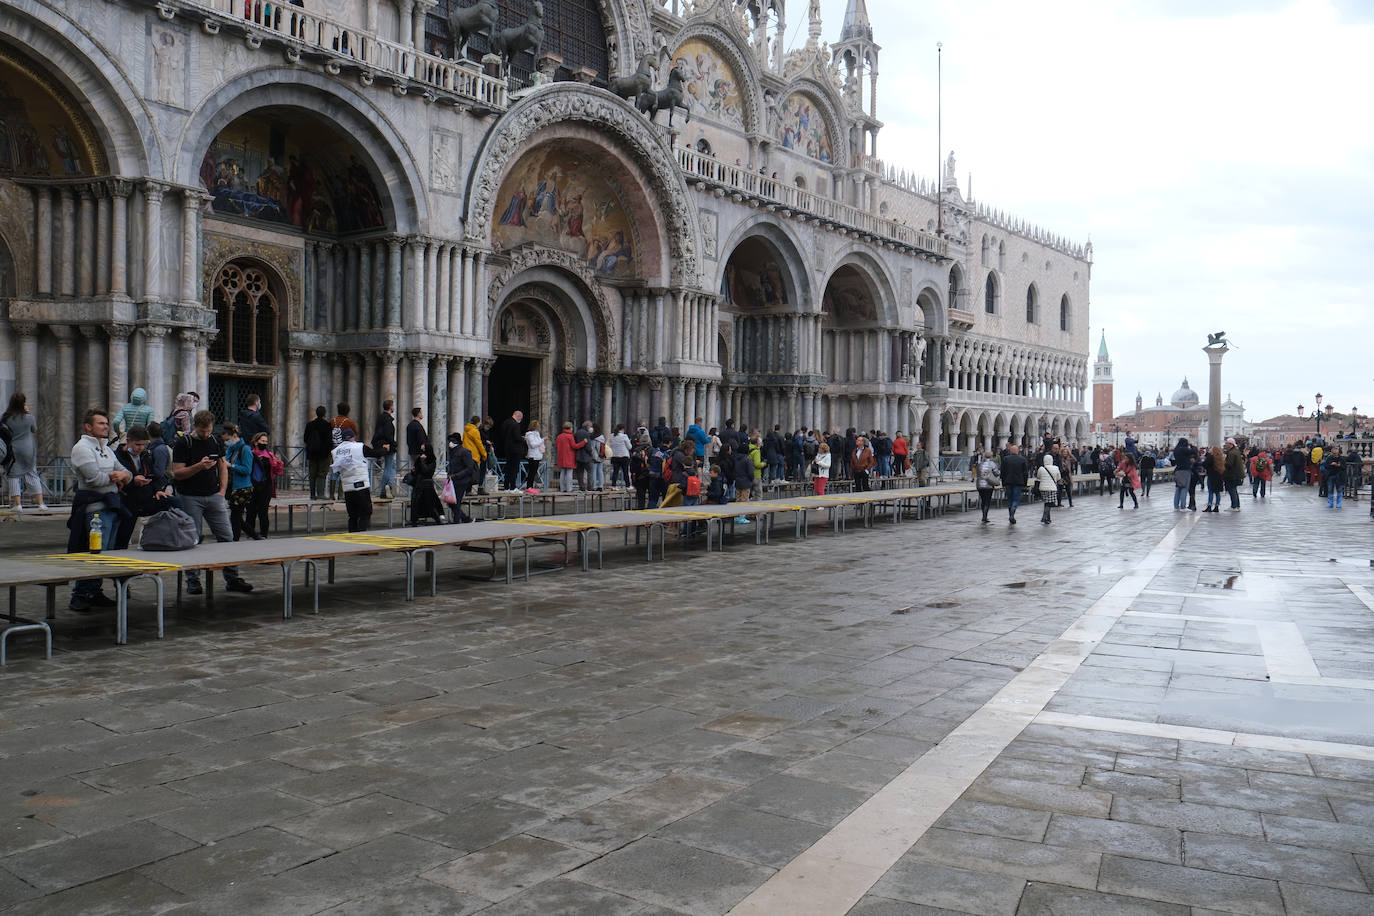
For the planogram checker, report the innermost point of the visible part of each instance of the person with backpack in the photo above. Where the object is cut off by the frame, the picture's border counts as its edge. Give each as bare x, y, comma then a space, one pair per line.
658, 478
142, 496
21, 471
1147, 471
201, 474
319, 443
1129, 476
900, 451
639, 471
1334, 467
1261, 472
989, 479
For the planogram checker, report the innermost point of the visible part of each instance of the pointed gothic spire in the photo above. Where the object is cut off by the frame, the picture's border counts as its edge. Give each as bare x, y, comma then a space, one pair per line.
1102, 350
856, 22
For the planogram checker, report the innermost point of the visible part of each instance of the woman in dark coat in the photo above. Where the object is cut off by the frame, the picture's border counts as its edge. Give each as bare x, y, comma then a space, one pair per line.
463, 473
424, 501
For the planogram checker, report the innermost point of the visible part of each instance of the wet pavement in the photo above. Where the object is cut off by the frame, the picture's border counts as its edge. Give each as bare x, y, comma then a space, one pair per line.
1125, 712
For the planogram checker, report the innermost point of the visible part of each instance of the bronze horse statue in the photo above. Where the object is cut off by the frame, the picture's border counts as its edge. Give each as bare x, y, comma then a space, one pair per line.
465, 22
528, 36
651, 103
642, 80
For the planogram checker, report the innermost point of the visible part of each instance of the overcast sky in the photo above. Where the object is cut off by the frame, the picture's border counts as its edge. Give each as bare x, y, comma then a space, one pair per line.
1218, 153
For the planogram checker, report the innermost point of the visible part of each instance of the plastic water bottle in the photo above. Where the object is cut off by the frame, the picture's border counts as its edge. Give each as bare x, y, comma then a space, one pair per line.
97, 534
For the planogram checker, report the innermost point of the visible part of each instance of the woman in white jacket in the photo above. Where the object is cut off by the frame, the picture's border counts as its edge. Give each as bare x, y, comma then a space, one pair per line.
1048, 478
534, 457
822, 475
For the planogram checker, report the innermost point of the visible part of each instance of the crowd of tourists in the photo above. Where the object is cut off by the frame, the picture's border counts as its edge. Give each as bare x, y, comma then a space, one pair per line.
131, 465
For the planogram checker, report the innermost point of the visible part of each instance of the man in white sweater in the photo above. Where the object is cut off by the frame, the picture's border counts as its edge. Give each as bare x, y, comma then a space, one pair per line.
98, 479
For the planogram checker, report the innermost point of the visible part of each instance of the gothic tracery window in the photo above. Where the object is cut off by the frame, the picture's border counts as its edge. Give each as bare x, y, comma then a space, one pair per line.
246, 313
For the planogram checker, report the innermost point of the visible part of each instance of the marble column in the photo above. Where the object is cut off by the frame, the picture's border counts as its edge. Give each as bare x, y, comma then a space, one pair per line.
152, 240
565, 412
377, 314
437, 411
68, 423
156, 369
631, 411
431, 285
444, 260
203, 364
677, 404
655, 400
467, 307
69, 248
393, 282
607, 388
390, 379
315, 392
296, 398
117, 364
43, 243
457, 393
361, 413
187, 377
102, 241
93, 391
413, 301
483, 370
480, 304
453, 320
419, 385
119, 237
26, 374
191, 200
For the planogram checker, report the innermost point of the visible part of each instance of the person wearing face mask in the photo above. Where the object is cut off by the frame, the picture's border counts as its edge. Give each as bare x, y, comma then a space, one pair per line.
141, 496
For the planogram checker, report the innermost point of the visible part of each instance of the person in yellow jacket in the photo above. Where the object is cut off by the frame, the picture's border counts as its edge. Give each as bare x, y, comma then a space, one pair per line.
472, 441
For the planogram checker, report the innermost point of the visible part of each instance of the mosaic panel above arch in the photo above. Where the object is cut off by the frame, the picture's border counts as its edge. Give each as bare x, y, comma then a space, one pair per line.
285, 166
713, 88
42, 133
802, 128
558, 196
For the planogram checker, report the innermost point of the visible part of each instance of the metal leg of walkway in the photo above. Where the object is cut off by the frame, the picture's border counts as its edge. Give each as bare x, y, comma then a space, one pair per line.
122, 604
288, 570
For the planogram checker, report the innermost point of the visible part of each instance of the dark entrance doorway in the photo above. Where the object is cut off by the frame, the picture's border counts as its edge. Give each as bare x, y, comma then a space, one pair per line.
228, 393
511, 387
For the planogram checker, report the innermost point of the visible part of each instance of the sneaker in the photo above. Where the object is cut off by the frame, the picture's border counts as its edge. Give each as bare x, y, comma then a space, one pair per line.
741, 520
81, 606
100, 599
238, 585
193, 587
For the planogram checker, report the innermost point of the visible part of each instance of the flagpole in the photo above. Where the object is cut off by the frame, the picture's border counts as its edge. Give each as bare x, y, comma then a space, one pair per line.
939, 138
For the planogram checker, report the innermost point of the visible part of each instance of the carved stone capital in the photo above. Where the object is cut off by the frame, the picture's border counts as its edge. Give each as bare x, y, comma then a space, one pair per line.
120, 187
154, 331
63, 332
153, 191
26, 329
90, 331
294, 355
119, 331
484, 366
655, 382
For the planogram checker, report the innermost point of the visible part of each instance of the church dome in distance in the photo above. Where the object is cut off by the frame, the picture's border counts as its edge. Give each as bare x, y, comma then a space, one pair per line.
1184, 397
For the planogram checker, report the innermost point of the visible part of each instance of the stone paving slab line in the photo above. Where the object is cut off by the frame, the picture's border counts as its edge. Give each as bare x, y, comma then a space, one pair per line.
834, 874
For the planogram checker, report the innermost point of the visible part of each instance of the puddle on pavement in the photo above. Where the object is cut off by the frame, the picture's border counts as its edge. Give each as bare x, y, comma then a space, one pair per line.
1029, 583
942, 604
1270, 714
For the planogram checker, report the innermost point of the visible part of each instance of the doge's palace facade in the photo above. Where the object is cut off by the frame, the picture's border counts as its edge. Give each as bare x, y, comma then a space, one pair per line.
334, 201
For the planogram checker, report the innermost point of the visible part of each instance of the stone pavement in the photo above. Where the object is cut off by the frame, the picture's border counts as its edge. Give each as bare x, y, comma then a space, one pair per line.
1126, 712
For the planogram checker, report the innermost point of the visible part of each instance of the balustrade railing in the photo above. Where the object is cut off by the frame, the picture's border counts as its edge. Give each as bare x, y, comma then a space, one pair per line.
744, 181
343, 45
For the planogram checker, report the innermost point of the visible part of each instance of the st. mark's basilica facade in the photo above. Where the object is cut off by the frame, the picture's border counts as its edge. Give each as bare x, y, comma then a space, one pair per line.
465, 205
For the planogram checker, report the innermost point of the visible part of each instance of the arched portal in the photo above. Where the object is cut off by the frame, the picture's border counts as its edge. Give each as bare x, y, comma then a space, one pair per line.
552, 342
248, 301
